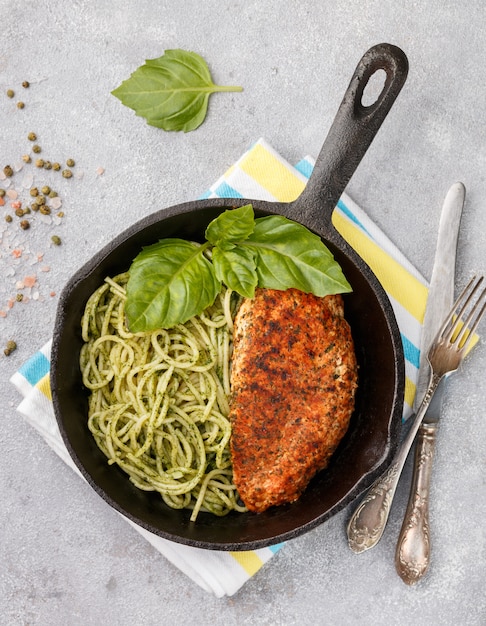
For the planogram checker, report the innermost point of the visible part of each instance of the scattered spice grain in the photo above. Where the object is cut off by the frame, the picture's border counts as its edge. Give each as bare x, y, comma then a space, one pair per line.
10, 347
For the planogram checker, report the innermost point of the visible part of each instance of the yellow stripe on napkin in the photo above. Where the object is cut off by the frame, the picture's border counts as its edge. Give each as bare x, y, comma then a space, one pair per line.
397, 282
410, 390
44, 386
269, 171
249, 561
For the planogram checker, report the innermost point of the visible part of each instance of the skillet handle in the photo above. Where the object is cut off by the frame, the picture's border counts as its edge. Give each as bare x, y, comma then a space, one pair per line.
349, 137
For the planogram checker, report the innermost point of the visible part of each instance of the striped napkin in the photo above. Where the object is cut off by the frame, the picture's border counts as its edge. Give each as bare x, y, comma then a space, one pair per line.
261, 173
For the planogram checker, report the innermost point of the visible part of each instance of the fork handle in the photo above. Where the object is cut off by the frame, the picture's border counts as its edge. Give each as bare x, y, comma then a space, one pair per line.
412, 556
368, 522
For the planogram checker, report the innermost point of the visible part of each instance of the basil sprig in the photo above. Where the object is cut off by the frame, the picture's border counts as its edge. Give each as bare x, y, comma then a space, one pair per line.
171, 92
174, 279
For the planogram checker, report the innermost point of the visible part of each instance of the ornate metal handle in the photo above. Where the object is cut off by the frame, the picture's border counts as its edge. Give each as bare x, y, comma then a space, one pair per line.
412, 556
368, 522
366, 526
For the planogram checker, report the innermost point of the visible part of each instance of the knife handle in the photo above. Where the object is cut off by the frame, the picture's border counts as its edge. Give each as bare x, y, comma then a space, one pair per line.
412, 555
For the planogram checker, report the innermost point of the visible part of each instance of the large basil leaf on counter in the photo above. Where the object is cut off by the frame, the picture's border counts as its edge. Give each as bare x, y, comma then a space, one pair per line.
172, 91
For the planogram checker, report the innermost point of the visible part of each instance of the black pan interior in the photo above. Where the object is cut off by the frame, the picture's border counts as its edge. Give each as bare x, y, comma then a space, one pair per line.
362, 455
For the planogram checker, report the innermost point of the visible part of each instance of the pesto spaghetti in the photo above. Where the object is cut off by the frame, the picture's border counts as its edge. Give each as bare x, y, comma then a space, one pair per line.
159, 401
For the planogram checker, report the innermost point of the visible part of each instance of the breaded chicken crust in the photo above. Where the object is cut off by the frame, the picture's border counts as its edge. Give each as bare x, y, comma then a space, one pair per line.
294, 377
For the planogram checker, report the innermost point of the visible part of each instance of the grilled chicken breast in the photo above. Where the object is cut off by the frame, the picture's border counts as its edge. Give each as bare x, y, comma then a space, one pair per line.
294, 376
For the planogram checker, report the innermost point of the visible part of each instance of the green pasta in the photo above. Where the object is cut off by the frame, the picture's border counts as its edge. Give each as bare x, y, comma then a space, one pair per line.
159, 401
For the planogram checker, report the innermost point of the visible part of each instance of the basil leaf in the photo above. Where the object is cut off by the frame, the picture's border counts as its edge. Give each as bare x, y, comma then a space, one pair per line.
169, 283
173, 280
171, 92
288, 255
236, 269
231, 227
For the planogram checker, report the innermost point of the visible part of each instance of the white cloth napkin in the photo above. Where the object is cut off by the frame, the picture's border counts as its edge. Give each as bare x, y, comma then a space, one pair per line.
261, 173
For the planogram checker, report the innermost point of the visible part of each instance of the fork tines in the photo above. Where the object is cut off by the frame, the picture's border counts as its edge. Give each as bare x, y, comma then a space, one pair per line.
461, 319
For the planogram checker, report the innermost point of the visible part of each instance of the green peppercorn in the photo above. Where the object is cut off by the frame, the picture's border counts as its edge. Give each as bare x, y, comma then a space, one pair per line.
10, 93
2, 193
26, 158
19, 212
8, 171
56, 166
56, 240
45, 210
34, 206
31, 136
20, 105
46, 190
70, 163
40, 200
47, 165
67, 173
36, 149
25, 84
8, 218
19, 297
39, 163
34, 192
52, 194
60, 214
11, 346
25, 224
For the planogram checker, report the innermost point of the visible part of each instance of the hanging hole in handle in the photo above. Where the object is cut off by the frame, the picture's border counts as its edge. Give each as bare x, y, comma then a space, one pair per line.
373, 88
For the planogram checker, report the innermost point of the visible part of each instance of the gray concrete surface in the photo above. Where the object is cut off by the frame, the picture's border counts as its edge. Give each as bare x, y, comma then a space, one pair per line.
65, 557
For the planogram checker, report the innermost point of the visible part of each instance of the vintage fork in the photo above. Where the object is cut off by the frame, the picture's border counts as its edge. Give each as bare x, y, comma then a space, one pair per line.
448, 349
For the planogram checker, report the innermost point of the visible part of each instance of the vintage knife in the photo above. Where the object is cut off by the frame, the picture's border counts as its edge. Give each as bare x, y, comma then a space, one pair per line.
412, 556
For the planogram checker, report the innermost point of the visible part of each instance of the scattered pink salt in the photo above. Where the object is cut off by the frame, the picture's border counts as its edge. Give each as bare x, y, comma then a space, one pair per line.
45, 268
12, 194
3, 313
29, 281
16, 205
2, 202
16, 253
55, 203
52, 294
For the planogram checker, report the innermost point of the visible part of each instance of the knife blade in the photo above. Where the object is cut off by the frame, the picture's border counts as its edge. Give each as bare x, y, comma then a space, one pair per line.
412, 555
441, 288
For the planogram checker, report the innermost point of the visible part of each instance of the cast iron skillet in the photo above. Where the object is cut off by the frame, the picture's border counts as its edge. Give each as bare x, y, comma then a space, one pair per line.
372, 437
